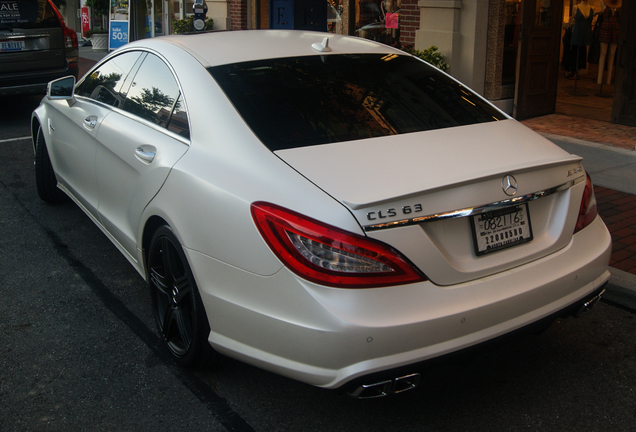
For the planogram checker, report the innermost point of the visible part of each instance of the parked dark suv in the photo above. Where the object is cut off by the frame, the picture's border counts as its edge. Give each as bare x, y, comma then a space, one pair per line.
36, 46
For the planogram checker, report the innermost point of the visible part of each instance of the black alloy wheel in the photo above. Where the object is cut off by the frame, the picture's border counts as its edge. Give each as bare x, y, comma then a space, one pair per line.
177, 305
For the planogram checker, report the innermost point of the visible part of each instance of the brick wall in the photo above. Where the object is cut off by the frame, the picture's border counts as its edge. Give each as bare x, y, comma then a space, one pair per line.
409, 22
238, 14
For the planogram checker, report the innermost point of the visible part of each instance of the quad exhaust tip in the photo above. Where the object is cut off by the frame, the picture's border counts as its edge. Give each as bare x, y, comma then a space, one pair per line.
386, 387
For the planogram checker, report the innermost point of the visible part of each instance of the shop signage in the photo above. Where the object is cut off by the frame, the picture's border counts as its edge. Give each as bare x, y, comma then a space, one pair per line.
118, 34
86, 21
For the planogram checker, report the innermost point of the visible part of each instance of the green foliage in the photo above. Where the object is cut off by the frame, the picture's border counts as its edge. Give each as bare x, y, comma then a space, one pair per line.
430, 55
186, 25
99, 8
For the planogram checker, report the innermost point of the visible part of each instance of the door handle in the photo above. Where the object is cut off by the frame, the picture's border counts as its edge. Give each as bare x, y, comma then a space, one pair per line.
90, 122
145, 153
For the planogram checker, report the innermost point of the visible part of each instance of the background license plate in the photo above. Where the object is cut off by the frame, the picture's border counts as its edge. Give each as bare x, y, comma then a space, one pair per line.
11, 46
500, 229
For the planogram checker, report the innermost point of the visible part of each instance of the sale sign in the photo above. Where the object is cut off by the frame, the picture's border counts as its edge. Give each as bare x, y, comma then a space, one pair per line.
118, 34
86, 22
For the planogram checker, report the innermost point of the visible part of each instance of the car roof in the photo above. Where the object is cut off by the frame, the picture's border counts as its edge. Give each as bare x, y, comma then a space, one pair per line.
227, 47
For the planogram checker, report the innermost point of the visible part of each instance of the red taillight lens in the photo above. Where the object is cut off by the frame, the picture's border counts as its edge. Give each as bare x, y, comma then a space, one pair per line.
328, 255
70, 37
588, 210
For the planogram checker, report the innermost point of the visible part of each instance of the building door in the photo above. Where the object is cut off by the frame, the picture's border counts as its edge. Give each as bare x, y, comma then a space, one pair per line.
538, 58
624, 109
158, 18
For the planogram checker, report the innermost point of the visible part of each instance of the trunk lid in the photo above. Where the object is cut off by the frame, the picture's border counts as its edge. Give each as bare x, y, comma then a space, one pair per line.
389, 184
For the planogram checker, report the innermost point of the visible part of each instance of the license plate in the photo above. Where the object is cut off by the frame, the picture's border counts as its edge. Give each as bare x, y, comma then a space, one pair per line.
11, 46
500, 229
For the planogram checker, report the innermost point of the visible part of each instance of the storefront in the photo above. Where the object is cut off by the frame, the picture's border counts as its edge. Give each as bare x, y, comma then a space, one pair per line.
510, 51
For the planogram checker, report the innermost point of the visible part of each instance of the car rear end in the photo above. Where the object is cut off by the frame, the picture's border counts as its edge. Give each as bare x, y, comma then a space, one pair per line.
36, 46
469, 226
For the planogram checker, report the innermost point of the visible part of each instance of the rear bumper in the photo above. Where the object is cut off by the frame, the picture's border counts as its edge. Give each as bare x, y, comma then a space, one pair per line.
331, 337
33, 82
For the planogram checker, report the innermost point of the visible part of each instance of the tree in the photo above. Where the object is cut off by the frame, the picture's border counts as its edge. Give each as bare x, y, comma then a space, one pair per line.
99, 8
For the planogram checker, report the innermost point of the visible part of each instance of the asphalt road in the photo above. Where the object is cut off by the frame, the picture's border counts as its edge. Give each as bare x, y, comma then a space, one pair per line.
79, 350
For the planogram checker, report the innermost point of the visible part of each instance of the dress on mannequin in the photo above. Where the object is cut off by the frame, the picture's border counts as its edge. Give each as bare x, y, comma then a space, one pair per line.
608, 37
582, 30
582, 17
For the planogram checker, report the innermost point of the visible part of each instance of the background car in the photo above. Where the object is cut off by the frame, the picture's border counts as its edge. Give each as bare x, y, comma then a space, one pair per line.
36, 46
321, 206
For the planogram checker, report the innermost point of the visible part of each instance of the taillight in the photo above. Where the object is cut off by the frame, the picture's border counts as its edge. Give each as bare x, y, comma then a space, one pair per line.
70, 37
588, 210
328, 255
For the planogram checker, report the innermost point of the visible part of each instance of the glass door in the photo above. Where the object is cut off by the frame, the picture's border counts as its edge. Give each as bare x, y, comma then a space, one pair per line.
158, 24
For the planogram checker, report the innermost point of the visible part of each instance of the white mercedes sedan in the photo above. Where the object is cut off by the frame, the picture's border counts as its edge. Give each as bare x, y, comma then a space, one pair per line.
321, 206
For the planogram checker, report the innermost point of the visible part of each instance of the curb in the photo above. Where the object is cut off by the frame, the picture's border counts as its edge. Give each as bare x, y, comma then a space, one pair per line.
621, 289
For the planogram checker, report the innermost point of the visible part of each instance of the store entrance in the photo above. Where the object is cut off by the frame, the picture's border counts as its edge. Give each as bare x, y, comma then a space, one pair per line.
624, 109
554, 75
582, 91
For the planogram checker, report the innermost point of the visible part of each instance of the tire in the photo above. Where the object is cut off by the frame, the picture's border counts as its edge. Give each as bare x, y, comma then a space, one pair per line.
44, 175
176, 302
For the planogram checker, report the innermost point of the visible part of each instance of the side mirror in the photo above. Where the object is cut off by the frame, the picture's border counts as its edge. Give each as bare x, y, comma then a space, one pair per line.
61, 88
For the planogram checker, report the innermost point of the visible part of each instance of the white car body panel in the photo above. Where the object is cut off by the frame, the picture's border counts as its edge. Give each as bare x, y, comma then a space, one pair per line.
327, 336
126, 182
73, 146
261, 312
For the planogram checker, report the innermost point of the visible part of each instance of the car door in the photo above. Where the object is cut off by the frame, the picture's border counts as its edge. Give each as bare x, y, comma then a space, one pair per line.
138, 145
73, 128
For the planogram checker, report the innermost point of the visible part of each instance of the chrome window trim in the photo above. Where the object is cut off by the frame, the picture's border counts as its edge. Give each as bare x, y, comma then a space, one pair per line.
470, 211
143, 53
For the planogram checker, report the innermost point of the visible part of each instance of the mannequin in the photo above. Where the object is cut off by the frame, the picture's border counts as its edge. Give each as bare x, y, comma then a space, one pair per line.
582, 15
608, 38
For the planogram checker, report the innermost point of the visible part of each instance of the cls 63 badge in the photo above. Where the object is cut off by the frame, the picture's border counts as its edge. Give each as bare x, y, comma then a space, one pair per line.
392, 212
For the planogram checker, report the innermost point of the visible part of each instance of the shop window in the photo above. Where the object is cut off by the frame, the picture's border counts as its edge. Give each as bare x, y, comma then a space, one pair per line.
378, 20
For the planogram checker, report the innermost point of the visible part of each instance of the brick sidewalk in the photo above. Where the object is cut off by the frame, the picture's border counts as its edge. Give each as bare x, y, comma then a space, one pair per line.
84, 65
618, 210
589, 130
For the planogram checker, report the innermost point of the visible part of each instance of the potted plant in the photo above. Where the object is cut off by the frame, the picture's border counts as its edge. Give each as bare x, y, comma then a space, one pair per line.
99, 35
186, 25
431, 55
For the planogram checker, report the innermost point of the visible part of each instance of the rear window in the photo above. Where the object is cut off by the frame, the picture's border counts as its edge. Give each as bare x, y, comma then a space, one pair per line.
305, 101
27, 14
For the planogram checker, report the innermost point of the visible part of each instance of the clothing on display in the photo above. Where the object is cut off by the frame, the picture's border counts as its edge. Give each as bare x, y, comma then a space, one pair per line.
582, 30
610, 27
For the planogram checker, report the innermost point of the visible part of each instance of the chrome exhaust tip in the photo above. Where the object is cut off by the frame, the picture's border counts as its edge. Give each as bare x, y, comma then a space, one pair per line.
589, 304
386, 387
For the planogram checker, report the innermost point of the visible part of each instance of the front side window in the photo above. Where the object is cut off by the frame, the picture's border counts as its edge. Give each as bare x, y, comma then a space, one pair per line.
304, 101
106, 83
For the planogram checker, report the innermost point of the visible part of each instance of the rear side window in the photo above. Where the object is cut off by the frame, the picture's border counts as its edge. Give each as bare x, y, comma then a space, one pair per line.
154, 95
27, 14
106, 83
305, 101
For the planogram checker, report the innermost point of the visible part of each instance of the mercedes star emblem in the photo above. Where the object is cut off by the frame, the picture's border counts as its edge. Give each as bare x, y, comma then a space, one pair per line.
509, 185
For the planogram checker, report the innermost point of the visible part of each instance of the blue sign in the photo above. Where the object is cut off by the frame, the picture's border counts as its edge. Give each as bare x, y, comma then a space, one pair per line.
282, 14
118, 34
